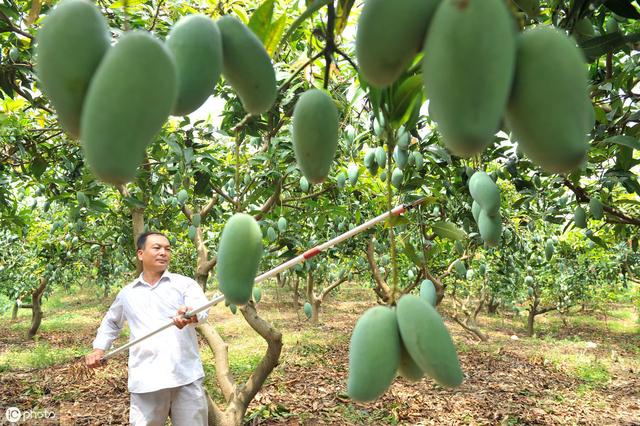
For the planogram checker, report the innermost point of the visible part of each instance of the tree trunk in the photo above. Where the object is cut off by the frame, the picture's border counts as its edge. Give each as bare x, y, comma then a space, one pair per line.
14, 313
312, 299
492, 305
239, 396
36, 310
296, 284
530, 321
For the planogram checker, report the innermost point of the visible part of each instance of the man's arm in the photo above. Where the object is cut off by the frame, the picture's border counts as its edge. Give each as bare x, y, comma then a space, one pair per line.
108, 331
194, 297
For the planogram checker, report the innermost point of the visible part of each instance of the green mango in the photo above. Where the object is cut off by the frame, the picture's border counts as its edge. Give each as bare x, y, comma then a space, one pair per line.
307, 310
408, 367
196, 219
369, 158
460, 269
315, 134
304, 184
182, 196
389, 35
548, 111
246, 65
401, 157
239, 254
484, 190
396, 178
381, 157
352, 173
70, 45
474, 36
475, 210
611, 25
374, 354
530, 291
418, 160
549, 249
528, 280
427, 340
196, 45
490, 228
341, 180
482, 269
383, 176
257, 294
191, 232
402, 138
583, 29
470, 274
233, 308
116, 127
428, 292
271, 234
459, 247
282, 224
580, 217
595, 206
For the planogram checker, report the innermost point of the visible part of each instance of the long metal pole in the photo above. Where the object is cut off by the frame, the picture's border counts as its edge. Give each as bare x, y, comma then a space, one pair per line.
314, 251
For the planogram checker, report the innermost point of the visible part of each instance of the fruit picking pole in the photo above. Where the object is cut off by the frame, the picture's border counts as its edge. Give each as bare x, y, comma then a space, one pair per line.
396, 211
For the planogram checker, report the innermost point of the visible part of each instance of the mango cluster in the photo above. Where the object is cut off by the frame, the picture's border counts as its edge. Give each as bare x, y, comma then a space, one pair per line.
409, 340
486, 207
478, 73
116, 98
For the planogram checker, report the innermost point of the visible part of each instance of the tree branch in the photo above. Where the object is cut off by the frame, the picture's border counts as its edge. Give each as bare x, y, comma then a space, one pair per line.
221, 353
582, 196
270, 359
331, 287
330, 45
384, 290
155, 16
206, 209
268, 205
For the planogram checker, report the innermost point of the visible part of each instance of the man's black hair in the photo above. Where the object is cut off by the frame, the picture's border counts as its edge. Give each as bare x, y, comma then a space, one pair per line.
142, 239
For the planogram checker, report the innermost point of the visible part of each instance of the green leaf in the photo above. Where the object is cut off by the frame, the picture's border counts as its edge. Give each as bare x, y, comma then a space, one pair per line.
311, 9
38, 167
260, 21
444, 229
410, 252
344, 9
275, 35
599, 241
120, 3
622, 8
597, 46
624, 140
133, 202
404, 99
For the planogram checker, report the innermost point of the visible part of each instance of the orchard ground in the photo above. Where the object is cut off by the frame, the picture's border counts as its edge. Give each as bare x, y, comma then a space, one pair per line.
586, 372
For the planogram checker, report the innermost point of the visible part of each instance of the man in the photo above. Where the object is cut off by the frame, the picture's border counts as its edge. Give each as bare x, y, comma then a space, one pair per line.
165, 371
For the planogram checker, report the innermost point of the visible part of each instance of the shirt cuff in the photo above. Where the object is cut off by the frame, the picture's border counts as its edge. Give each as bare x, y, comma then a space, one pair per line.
101, 343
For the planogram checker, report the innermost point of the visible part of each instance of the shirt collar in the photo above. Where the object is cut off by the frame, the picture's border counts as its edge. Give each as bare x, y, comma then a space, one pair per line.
166, 276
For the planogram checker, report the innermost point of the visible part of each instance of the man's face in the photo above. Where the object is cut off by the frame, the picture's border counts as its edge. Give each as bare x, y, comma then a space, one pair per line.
156, 254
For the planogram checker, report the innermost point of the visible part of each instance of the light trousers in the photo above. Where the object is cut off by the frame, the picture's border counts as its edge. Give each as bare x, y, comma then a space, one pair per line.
186, 405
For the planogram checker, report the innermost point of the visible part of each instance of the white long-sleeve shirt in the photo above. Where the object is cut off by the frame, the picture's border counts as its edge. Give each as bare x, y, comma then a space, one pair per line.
170, 358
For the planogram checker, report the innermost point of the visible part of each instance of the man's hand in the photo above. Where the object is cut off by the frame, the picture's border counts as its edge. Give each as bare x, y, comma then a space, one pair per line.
93, 359
180, 322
